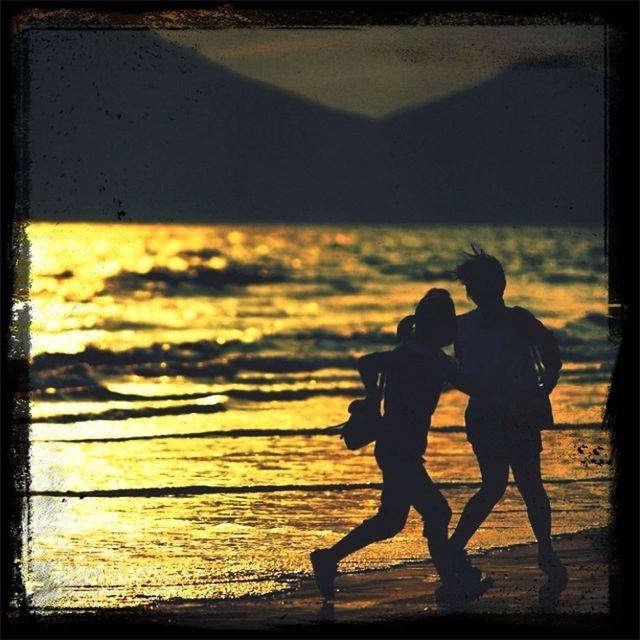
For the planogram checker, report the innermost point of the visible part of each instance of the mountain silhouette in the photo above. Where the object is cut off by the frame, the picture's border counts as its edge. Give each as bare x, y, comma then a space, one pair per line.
124, 123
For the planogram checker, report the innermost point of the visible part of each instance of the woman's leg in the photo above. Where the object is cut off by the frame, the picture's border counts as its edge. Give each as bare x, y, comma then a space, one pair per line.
436, 515
494, 469
390, 519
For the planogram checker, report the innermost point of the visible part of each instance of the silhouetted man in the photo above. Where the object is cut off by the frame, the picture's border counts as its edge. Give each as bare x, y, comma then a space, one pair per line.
513, 363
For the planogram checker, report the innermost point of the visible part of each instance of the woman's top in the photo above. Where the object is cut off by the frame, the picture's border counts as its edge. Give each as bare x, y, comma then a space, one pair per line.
413, 380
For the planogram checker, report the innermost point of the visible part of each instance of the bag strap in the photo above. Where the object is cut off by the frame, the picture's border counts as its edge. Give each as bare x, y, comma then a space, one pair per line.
523, 321
381, 385
382, 381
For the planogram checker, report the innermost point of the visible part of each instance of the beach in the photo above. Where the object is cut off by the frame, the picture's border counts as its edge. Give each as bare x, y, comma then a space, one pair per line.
398, 601
407, 593
197, 288
181, 379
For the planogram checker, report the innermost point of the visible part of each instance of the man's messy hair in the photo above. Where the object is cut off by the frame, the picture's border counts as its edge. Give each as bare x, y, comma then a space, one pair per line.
481, 270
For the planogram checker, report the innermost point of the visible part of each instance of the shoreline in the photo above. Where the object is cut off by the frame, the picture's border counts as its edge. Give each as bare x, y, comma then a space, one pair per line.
396, 597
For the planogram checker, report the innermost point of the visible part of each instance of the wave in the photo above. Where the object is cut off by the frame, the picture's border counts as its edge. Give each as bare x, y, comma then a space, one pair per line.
202, 255
204, 369
292, 364
581, 335
113, 324
193, 279
293, 394
603, 354
124, 414
330, 286
158, 352
98, 392
77, 373
326, 338
74, 370
589, 375
565, 339
231, 433
62, 275
203, 358
194, 490
573, 334
414, 273
561, 426
280, 432
599, 319
571, 278
72, 376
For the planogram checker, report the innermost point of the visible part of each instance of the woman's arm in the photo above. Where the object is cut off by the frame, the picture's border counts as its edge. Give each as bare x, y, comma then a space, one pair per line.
370, 368
460, 381
457, 379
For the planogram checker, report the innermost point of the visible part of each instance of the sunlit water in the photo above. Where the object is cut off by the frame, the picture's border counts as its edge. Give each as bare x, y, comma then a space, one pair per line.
176, 369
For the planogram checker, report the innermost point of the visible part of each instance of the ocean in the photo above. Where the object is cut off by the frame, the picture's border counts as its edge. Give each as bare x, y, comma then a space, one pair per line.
181, 376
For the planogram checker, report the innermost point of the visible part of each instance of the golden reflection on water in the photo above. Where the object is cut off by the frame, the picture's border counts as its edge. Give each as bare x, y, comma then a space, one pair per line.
116, 551
67, 313
270, 461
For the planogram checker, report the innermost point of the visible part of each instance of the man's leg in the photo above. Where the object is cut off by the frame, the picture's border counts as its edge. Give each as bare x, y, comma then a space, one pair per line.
494, 469
528, 478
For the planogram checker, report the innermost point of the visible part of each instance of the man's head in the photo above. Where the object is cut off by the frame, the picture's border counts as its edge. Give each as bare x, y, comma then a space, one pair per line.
483, 277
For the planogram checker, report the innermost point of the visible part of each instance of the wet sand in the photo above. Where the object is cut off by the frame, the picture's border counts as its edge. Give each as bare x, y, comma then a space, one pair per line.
394, 602
407, 592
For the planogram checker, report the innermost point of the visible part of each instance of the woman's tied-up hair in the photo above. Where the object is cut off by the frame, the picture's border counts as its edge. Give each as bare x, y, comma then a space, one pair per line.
435, 319
404, 330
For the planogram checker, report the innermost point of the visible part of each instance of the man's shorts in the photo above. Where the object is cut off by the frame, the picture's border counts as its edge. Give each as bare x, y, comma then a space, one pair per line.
493, 432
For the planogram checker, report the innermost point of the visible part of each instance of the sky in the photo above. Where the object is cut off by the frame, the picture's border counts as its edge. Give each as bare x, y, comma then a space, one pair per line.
165, 123
375, 71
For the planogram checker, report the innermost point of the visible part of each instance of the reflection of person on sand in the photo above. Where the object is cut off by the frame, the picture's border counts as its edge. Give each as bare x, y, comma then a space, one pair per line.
515, 359
414, 373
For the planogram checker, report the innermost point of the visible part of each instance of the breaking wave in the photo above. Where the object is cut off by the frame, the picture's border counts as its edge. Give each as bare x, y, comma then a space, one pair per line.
194, 490
193, 279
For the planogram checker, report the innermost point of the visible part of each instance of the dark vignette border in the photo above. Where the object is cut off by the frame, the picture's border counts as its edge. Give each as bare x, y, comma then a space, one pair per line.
15, 338
621, 224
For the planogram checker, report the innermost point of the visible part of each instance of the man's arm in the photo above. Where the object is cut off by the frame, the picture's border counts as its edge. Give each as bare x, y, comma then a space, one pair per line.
544, 342
550, 359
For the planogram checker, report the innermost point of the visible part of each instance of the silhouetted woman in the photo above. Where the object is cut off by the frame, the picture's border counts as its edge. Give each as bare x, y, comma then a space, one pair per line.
414, 374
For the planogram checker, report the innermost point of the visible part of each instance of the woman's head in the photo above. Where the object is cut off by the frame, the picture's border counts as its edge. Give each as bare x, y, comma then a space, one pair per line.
435, 319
